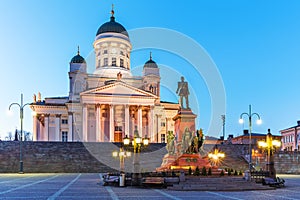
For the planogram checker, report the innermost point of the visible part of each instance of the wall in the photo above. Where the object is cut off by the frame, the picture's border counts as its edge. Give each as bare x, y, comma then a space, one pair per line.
71, 157
75, 157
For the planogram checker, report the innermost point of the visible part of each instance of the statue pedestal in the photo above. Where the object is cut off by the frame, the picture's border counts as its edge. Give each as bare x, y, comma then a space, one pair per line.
185, 119
167, 163
183, 162
185, 155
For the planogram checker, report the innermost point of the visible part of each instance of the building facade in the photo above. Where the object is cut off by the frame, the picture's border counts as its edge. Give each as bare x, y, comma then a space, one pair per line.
291, 138
109, 103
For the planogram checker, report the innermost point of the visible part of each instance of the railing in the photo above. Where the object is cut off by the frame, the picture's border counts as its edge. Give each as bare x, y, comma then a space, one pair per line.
259, 175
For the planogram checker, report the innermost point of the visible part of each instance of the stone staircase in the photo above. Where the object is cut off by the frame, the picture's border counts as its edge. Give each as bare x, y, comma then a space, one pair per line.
217, 184
233, 157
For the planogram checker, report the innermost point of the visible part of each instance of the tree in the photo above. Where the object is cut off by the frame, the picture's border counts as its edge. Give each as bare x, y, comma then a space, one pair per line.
9, 136
204, 172
209, 172
16, 136
27, 136
197, 171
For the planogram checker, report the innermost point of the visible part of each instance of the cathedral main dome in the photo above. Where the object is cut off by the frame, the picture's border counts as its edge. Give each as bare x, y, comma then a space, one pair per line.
112, 26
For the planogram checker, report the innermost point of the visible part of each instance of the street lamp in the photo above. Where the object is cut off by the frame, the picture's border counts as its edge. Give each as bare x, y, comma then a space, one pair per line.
137, 142
21, 106
259, 121
216, 156
223, 120
270, 145
122, 155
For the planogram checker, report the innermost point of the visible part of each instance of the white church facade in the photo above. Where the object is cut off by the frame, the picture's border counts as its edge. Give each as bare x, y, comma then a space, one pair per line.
109, 103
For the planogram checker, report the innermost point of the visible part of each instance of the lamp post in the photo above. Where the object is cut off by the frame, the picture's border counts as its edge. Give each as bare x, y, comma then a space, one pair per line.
21, 106
122, 155
250, 115
223, 120
216, 156
136, 143
270, 145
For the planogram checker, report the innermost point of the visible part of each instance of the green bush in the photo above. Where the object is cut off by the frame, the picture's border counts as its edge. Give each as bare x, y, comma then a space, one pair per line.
197, 171
229, 172
222, 173
190, 171
240, 173
204, 172
235, 173
209, 172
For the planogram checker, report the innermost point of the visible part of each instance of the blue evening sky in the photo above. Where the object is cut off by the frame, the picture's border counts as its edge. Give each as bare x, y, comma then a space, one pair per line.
255, 45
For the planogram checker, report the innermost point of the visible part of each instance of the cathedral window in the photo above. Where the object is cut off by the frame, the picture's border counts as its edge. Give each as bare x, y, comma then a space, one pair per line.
64, 136
114, 62
121, 62
105, 52
163, 124
163, 138
64, 121
118, 128
122, 53
105, 63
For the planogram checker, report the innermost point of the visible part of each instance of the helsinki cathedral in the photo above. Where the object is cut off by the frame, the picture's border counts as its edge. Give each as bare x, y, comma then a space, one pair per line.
110, 103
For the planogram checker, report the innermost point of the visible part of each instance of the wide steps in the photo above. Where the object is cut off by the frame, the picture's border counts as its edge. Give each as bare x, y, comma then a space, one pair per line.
217, 184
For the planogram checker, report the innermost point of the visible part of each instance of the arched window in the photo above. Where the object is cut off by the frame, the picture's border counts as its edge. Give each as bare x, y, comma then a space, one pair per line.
105, 61
121, 62
113, 62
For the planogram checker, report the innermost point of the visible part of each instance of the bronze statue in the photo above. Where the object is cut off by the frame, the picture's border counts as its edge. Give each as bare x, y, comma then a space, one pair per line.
170, 143
186, 140
183, 92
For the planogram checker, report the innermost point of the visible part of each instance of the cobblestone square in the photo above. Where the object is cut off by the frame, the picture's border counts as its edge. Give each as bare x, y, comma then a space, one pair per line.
88, 186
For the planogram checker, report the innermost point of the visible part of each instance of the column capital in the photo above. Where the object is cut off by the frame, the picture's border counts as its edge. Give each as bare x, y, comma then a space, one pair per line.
46, 115
70, 113
98, 105
58, 115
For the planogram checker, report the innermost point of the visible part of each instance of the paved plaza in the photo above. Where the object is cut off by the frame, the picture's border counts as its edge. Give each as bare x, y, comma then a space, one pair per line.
88, 186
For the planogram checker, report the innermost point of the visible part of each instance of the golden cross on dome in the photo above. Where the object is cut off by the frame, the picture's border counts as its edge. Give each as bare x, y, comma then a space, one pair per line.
150, 55
78, 52
112, 10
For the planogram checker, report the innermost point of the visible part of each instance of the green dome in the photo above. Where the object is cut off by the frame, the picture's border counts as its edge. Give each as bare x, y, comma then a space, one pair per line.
112, 26
78, 59
150, 64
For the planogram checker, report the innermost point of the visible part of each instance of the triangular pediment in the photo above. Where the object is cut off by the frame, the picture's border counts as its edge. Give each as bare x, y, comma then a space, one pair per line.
118, 89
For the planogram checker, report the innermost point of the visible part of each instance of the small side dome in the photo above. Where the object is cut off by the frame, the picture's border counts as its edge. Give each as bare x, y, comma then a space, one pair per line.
150, 63
78, 58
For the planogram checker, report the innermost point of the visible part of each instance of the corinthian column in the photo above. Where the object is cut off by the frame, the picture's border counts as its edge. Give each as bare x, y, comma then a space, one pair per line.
127, 120
98, 124
111, 124
150, 124
46, 128
84, 123
140, 121
57, 127
70, 132
35, 138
